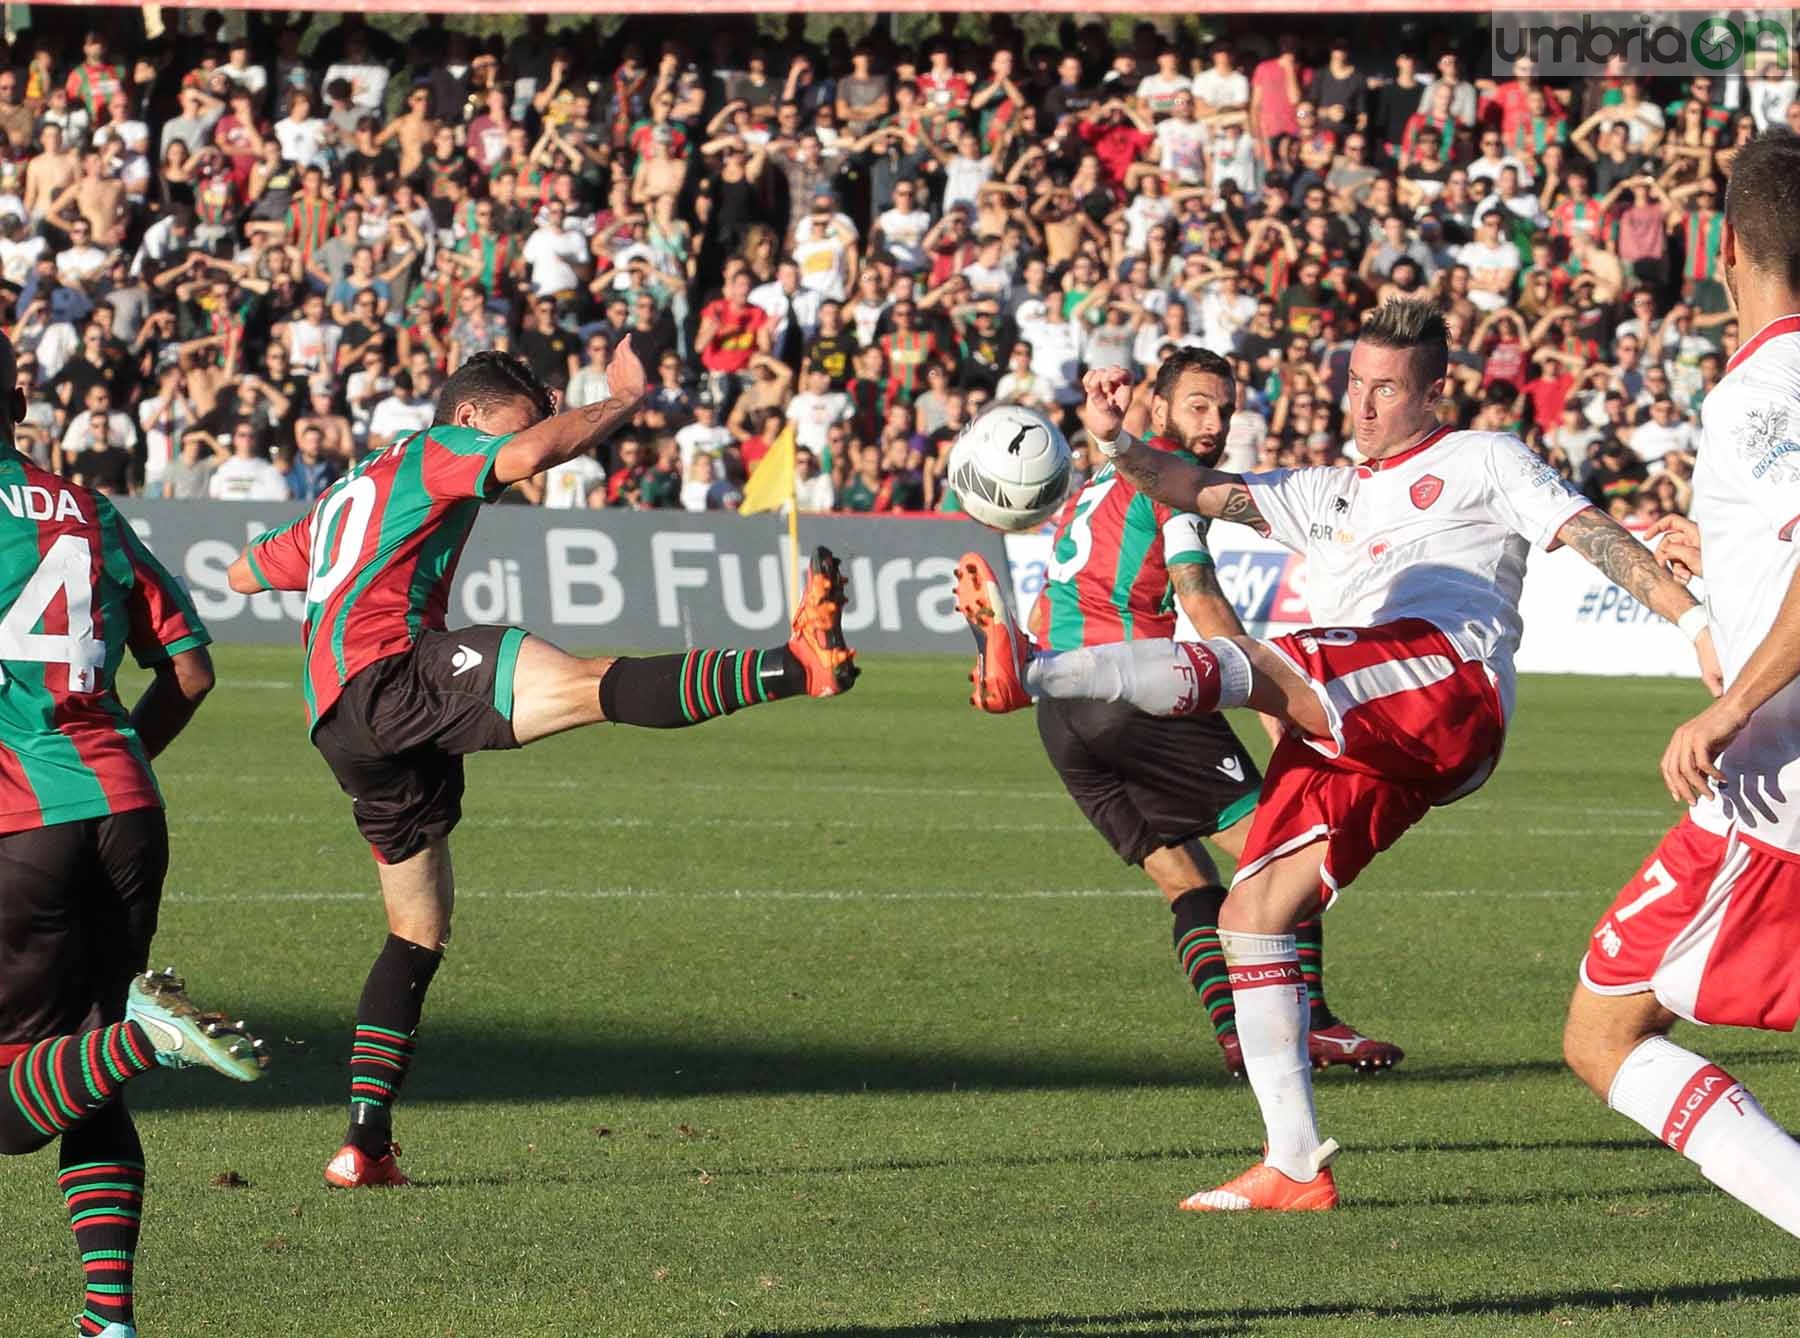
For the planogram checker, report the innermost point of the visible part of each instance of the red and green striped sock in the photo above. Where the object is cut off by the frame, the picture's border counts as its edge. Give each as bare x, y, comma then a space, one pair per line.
1202, 960
106, 1203
1309, 939
387, 1024
674, 691
56, 1084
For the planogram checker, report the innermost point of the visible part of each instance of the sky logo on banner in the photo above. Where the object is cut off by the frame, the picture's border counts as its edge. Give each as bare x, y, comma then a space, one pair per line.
1262, 586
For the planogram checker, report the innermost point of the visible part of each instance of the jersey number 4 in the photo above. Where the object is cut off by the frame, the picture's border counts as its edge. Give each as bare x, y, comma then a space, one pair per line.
331, 563
68, 568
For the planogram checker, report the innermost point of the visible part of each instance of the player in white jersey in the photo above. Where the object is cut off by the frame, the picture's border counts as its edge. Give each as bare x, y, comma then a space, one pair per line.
1396, 702
1709, 929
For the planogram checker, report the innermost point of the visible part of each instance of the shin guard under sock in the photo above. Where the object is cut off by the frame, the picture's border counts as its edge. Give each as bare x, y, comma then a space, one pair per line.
387, 1021
1202, 960
674, 691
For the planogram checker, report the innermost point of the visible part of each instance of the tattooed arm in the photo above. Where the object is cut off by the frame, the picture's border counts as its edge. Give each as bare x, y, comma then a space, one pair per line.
1189, 487
1626, 562
574, 432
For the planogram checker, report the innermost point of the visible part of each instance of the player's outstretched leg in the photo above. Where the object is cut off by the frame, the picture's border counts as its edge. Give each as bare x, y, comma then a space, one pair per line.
68, 1087
1618, 1045
1000, 650
675, 691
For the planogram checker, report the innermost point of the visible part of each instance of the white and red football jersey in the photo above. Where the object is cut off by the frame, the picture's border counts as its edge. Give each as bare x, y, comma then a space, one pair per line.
1439, 531
1747, 505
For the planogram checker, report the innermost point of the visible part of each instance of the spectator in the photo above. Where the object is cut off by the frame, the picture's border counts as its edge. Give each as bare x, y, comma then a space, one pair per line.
247, 475
312, 470
812, 490
569, 485
981, 223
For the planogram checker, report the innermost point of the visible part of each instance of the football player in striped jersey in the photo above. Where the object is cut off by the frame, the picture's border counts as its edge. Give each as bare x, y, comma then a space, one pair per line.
396, 699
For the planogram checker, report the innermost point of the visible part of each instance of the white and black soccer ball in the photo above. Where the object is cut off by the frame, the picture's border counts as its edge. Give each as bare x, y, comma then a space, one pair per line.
1010, 468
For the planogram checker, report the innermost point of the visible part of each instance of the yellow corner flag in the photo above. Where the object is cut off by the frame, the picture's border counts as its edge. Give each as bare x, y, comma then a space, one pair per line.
771, 483
770, 486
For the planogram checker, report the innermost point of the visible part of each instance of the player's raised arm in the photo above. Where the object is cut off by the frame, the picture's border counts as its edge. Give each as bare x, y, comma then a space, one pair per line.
566, 435
1175, 482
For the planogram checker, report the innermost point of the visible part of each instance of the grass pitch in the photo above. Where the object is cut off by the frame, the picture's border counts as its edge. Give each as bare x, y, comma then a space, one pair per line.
836, 1019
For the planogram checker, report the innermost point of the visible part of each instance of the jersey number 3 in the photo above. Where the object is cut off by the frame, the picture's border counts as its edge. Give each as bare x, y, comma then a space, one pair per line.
1080, 534
331, 564
67, 567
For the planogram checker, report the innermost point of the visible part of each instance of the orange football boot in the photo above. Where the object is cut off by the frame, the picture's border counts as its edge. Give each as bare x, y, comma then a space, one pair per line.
999, 673
818, 632
1264, 1188
353, 1168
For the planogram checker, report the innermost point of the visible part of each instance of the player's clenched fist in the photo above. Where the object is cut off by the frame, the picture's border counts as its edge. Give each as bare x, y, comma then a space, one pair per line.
1108, 391
625, 376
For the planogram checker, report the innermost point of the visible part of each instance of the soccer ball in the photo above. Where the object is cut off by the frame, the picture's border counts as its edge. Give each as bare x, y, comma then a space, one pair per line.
1010, 468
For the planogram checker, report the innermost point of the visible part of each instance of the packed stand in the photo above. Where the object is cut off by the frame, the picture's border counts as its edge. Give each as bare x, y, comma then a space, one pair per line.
234, 267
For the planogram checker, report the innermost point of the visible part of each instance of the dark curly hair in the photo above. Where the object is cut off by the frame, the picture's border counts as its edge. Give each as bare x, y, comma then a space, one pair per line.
1188, 359
488, 378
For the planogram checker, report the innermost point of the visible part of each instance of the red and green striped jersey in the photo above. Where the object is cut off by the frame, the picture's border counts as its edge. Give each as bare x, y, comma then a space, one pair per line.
377, 552
77, 586
1701, 238
1108, 576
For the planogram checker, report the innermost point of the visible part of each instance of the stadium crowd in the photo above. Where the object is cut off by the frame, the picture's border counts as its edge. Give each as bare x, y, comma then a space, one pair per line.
233, 265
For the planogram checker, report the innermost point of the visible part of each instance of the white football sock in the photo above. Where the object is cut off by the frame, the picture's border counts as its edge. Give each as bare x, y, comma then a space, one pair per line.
1159, 676
1711, 1119
1272, 1015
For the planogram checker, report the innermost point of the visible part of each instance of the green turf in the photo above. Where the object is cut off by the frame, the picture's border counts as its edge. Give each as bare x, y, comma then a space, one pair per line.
834, 1018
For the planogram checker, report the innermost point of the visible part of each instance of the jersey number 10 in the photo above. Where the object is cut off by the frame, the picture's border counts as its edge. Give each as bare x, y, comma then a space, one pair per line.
331, 567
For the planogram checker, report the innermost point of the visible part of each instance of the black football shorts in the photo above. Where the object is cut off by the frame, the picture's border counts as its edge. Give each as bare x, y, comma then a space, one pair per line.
78, 907
1146, 781
396, 736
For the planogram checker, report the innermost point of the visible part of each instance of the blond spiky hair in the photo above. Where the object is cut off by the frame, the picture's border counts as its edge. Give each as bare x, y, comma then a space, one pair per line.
1411, 325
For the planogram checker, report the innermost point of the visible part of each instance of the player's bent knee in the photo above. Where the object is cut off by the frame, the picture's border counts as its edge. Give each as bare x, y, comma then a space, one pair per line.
1179, 869
17, 1139
1602, 1030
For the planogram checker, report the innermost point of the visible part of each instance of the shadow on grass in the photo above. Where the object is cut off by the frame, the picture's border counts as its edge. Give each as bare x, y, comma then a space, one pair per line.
1252, 1320
1191, 1152
481, 1064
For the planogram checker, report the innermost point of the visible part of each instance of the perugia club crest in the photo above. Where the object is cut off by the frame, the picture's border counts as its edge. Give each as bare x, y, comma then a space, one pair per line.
1426, 491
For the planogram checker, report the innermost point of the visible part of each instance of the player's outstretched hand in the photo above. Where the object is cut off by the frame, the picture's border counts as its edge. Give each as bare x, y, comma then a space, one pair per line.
1108, 396
1687, 764
1679, 550
625, 376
